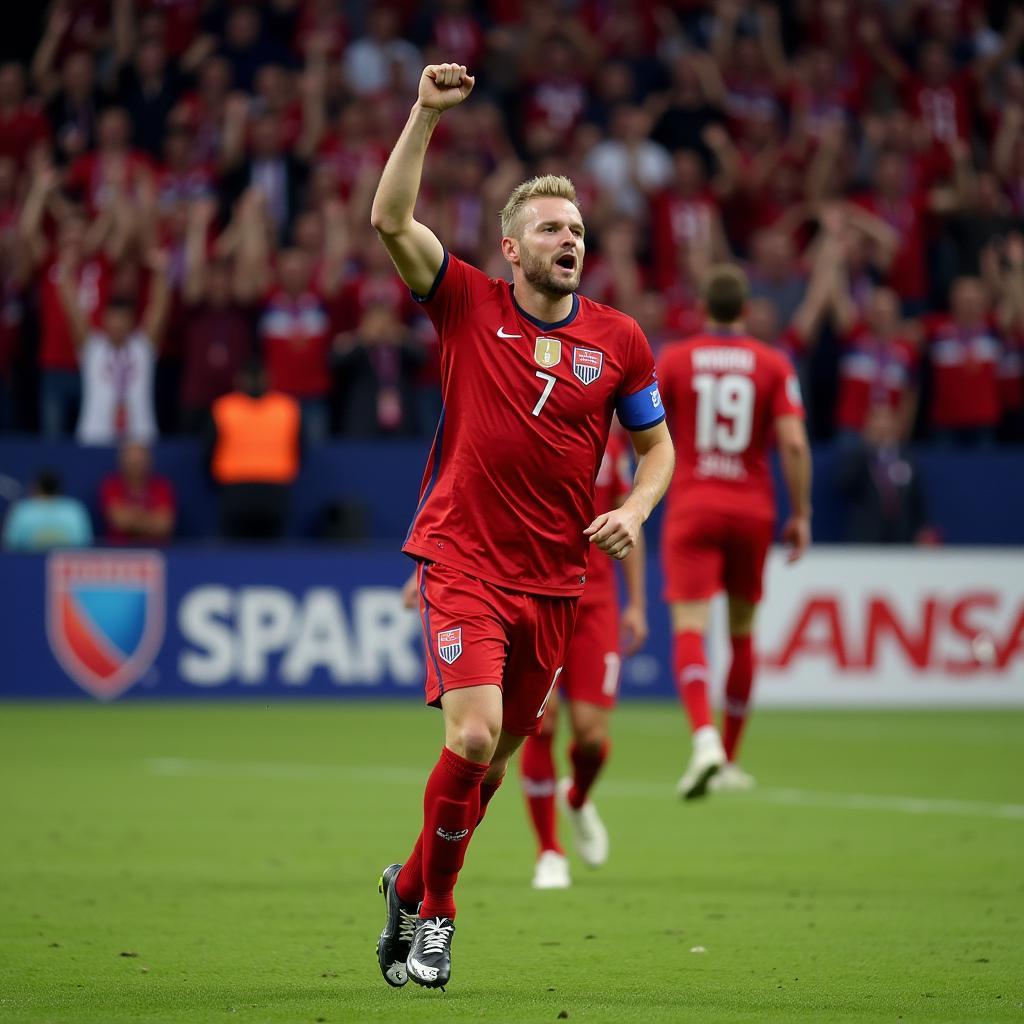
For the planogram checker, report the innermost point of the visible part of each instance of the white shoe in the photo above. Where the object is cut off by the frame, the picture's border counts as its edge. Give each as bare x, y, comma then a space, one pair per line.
588, 831
731, 778
706, 760
552, 871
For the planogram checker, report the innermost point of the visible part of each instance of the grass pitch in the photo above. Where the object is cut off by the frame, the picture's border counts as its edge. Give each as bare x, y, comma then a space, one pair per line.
219, 863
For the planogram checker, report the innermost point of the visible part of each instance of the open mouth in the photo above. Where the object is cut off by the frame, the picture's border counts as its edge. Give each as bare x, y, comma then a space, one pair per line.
566, 262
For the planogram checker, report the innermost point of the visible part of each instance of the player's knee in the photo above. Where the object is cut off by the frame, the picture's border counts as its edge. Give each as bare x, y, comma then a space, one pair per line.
591, 738
475, 739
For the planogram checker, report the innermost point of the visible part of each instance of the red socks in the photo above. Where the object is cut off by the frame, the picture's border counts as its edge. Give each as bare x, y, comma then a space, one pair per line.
538, 771
451, 810
691, 675
586, 765
737, 693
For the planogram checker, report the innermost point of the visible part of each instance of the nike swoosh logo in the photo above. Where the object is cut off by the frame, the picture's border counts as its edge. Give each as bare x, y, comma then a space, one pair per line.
502, 334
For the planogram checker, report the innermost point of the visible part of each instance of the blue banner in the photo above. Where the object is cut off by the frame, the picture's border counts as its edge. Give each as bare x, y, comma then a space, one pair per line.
238, 623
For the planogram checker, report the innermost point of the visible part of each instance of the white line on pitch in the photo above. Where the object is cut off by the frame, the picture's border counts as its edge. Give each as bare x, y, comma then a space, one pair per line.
289, 771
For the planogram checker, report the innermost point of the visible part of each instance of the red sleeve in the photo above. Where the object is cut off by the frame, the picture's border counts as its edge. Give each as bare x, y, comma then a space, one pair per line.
787, 400
456, 290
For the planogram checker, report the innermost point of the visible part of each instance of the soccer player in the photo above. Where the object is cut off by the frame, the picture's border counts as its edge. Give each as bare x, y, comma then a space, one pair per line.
530, 376
727, 397
589, 682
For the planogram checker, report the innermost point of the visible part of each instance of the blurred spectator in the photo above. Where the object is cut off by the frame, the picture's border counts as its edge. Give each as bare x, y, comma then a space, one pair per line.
878, 365
381, 59
47, 519
881, 486
23, 127
377, 368
218, 332
965, 355
137, 505
628, 166
117, 359
254, 451
775, 273
82, 256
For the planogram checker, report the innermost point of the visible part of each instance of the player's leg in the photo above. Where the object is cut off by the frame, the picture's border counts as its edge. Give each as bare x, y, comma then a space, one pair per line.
451, 810
689, 624
746, 552
588, 756
738, 686
537, 770
466, 648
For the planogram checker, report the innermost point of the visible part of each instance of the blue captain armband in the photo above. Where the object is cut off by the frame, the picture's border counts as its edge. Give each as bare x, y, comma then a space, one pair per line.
641, 410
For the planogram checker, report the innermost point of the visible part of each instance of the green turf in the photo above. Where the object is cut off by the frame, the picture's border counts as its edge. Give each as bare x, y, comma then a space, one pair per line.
219, 863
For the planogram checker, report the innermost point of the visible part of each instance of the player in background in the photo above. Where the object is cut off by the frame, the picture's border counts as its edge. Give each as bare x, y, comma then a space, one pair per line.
728, 396
589, 682
530, 376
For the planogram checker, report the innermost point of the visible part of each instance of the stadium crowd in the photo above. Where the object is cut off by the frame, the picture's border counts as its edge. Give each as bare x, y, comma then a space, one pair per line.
185, 186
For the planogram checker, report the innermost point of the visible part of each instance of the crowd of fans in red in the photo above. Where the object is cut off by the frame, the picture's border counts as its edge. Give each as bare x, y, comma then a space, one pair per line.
185, 186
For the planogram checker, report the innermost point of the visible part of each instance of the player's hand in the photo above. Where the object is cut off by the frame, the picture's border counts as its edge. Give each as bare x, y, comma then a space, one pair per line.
410, 593
796, 535
634, 629
615, 532
444, 85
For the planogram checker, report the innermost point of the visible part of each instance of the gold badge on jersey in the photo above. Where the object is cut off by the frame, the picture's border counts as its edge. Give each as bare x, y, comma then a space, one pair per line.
547, 352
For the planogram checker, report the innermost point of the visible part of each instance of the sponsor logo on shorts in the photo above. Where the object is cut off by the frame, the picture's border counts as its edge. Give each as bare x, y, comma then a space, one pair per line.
453, 837
587, 364
449, 644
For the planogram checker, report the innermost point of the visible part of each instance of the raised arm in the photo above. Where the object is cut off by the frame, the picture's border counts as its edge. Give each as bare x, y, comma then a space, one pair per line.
415, 250
795, 458
68, 291
200, 215
154, 319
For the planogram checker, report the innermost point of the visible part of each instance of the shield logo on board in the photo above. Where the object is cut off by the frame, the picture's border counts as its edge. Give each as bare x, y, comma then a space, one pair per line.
105, 616
587, 364
449, 644
547, 352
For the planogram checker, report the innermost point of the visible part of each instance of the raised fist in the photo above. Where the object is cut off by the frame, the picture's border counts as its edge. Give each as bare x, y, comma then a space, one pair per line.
444, 85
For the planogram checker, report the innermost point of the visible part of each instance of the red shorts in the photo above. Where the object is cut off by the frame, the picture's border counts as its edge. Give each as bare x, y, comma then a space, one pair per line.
705, 552
592, 665
478, 633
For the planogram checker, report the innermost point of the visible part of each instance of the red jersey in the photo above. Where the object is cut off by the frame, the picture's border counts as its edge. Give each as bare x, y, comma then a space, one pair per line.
965, 375
296, 341
613, 484
509, 485
156, 495
723, 392
907, 274
872, 371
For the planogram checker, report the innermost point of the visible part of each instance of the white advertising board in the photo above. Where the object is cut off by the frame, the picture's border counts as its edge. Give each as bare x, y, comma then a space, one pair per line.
889, 627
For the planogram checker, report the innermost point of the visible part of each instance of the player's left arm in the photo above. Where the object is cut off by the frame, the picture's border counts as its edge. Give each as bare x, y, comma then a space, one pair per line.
635, 628
617, 532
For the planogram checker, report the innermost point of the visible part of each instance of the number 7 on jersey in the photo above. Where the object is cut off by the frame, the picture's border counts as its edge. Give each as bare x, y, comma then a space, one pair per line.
546, 393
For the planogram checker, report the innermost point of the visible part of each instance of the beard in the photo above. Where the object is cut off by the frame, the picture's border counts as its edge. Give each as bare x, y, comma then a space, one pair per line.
544, 277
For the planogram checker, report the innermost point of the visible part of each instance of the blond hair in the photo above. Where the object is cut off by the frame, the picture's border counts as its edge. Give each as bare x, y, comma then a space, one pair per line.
555, 186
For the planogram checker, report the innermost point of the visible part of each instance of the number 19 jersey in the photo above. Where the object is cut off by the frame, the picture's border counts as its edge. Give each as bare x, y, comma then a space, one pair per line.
722, 392
509, 484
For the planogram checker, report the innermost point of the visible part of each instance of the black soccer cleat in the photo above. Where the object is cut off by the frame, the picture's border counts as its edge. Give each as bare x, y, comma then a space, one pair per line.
399, 929
430, 958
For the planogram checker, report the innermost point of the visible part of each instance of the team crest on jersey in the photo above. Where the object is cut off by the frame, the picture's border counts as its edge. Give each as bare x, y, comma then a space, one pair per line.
449, 644
105, 616
587, 364
547, 352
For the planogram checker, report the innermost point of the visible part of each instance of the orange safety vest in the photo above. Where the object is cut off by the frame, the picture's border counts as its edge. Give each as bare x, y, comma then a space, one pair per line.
257, 439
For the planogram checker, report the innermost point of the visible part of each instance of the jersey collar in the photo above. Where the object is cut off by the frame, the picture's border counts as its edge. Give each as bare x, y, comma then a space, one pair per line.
543, 325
